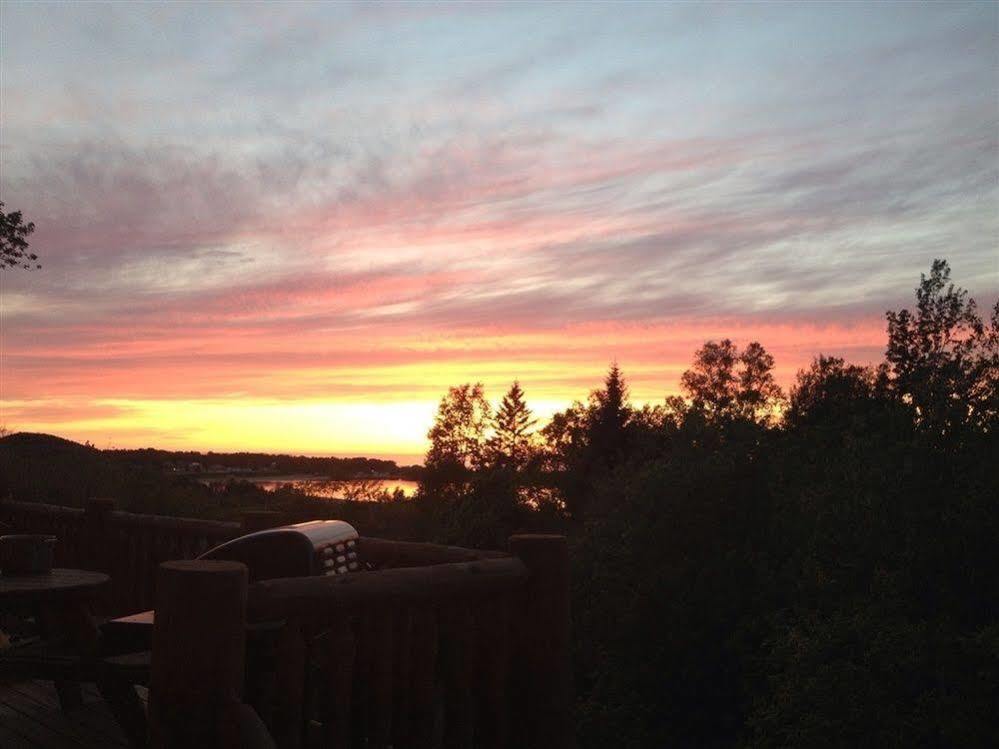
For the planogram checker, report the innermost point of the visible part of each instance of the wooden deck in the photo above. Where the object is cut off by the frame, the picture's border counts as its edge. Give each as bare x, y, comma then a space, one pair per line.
30, 716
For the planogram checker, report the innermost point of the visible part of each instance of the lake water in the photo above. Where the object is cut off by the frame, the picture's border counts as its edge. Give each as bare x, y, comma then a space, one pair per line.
333, 489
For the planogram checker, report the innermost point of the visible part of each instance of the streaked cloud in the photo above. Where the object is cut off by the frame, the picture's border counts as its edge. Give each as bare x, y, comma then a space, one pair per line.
307, 204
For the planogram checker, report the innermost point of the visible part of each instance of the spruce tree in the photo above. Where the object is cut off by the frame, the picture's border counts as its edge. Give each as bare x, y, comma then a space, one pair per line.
608, 418
510, 445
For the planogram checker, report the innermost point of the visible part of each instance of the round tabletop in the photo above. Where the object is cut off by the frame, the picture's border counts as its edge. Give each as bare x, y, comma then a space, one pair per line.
59, 583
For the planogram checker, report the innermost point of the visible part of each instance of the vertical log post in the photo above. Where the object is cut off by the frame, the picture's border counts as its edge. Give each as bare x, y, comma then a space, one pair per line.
291, 674
492, 677
261, 520
459, 666
546, 641
199, 647
338, 694
423, 718
97, 514
381, 675
96, 552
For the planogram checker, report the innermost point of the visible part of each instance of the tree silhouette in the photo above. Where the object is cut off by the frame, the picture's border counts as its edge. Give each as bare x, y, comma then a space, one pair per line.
511, 443
14, 241
774, 558
831, 391
942, 359
608, 416
758, 395
458, 436
726, 385
564, 438
711, 382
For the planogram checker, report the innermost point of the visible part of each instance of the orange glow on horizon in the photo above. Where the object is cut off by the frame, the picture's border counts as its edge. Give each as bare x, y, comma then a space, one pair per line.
375, 398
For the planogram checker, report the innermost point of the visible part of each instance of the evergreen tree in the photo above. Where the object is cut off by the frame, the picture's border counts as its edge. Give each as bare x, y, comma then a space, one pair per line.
608, 418
512, 440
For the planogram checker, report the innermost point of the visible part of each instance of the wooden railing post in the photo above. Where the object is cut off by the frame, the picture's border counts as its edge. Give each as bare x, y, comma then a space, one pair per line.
97, 520
545, 642
199, 649
260, 520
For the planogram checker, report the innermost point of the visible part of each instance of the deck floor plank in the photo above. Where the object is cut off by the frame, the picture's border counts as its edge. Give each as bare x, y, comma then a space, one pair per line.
51, 729
30, 716
30, 731
93, 721
11, 740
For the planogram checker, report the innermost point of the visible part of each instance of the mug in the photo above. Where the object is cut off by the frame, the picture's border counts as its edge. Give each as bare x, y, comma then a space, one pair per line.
26, 553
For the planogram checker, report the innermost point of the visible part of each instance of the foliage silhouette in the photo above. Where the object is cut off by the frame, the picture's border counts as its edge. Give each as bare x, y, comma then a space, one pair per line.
748, 570
755, 570
14, 235
943, 358
512, 443
726, 385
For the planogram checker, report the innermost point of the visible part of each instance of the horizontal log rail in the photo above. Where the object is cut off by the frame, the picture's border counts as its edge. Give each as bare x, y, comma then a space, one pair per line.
212, 530
11, 508
386, 554
125, 545
25, 514
455, 654
326, 598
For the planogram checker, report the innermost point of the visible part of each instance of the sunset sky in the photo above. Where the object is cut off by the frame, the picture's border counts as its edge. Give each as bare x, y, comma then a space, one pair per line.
289, 227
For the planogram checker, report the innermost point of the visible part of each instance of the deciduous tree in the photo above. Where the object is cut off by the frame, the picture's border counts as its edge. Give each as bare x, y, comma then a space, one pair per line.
942, 358
458, 436
726, 385
14, 235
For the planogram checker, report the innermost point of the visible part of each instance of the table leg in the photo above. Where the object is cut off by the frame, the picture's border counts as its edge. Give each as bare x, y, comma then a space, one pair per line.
72, 621
127, 709
70, 695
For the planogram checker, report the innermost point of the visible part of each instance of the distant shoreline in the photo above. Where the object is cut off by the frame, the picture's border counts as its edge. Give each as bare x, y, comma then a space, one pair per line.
325, 484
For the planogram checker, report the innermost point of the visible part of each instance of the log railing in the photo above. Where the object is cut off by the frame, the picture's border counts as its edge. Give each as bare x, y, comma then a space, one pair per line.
129, 547
469, 653
438, 647
392, 655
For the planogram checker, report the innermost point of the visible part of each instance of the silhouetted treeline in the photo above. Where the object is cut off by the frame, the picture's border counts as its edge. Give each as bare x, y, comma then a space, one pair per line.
334, 468
752, 567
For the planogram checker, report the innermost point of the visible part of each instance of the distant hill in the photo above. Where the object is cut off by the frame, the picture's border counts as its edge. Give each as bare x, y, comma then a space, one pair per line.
36, 445
46, 468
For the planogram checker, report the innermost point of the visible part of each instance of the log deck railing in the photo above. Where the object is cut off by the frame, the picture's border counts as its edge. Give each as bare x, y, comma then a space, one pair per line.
437, 647
127, 546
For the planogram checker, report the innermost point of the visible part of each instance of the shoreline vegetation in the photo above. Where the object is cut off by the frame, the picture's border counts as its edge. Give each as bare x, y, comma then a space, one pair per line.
751, 567
358, 489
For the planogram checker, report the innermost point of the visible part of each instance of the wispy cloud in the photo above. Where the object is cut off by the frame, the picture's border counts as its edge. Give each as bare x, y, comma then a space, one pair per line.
348, 202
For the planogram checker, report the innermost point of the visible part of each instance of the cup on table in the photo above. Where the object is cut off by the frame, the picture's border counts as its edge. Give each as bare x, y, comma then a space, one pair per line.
23, 553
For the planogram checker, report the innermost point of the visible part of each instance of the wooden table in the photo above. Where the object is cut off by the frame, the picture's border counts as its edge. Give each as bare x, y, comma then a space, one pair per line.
61, 601
56, 584
70, 648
